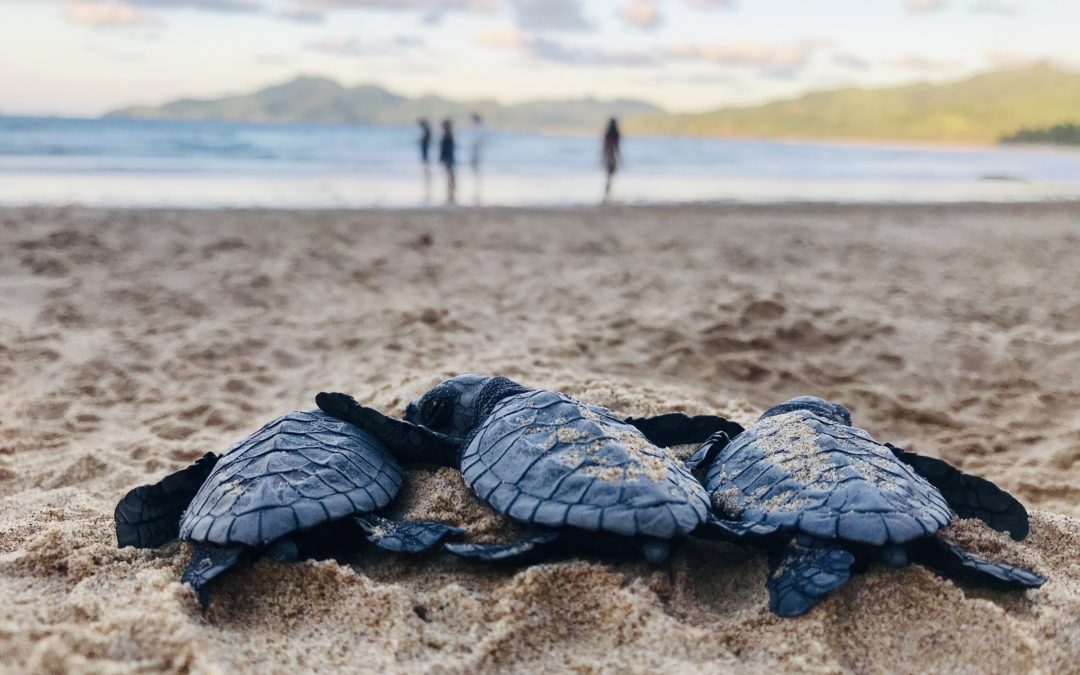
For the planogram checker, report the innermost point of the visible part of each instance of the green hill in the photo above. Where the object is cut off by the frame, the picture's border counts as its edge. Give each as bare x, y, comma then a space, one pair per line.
1059, 134
981, 109
313, 99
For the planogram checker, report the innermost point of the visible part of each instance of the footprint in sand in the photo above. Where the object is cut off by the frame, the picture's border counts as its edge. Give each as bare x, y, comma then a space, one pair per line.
763, 310
82, 422
172, 431
205, 415
224, 245
284, 359
238, 386
62, 313
45, 265
86, 467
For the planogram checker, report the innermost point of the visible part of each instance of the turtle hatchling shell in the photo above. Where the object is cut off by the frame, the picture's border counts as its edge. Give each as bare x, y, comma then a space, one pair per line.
803, 472
297, 472
544, 458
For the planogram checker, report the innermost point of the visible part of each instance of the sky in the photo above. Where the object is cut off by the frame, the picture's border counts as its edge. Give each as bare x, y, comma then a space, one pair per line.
86, 57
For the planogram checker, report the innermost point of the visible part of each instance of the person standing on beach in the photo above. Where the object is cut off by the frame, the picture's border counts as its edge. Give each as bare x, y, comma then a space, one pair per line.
425, 141
612, 156
425, 148
476, 142
446, 158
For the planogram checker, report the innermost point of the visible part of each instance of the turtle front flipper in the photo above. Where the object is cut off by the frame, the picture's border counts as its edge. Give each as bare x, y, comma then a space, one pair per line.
149, 515
409, 443
970, 496
953, 562
207, 563
528, 548
699, 462
405, 536
679, 429
803, 571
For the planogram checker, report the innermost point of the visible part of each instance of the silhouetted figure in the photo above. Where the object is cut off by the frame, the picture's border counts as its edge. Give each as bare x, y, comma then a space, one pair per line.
446, 158
425, 140
425, 149
476, 142
611, 154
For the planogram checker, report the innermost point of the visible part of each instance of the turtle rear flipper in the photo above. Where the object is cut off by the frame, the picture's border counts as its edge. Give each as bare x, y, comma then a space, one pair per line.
953, 562
679, 429
206, 564
149, 515
405, 536
408, 442
803, 571
717, 527
532, 546
970, 496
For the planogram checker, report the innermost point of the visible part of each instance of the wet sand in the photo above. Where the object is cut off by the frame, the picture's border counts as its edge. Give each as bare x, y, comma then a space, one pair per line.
131, 342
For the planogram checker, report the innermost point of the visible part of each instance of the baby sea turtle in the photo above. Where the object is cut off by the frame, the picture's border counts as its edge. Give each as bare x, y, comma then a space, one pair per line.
302, 483
825, 498
557, 464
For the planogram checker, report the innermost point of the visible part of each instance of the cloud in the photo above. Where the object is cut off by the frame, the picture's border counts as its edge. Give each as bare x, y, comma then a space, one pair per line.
339, 47
431, 10
109, 14
767, 57
640, 13
852, 61
706, 5
921, 64
924, 6
427, 5
128, 13
352, 47
547, 49
551, 50
116, 13
505, 37
995, 7
301, 15
221, 6
273, 59
114, 55
769, 60
549, 15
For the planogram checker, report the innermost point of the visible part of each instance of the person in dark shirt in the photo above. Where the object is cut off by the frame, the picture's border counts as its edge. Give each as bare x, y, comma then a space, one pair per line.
612, 156
425, 140
446, 158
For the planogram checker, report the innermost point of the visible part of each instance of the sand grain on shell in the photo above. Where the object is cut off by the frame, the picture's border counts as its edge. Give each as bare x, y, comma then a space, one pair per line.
141, 339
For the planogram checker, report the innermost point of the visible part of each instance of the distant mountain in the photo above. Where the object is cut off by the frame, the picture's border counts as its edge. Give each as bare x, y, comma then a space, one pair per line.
980, 109
314, 99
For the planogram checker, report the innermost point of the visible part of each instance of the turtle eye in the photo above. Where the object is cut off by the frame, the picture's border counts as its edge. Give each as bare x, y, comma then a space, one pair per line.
436, 411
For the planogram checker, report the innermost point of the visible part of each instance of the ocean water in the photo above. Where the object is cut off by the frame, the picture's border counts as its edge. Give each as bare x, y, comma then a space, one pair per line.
215, 164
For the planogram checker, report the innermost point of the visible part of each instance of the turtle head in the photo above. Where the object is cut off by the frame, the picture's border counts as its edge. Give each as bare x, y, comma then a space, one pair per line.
819, 406
455, 406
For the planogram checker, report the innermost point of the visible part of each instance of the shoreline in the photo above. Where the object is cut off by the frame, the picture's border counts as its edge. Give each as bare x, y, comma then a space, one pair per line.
883, 143
720, 207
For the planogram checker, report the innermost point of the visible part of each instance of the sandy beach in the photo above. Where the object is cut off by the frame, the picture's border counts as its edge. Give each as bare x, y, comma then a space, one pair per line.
133, 341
